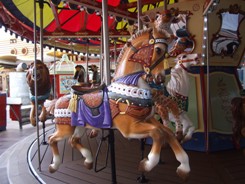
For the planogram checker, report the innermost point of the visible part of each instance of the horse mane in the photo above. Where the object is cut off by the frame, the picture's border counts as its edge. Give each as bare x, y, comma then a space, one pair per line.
175, 81
134, 36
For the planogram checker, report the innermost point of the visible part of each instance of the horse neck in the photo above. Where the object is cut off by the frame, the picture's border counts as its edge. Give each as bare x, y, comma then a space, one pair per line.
179, 81
126, 67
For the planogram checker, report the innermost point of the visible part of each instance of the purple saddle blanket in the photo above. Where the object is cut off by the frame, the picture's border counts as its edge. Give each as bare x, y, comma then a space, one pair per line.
99, 116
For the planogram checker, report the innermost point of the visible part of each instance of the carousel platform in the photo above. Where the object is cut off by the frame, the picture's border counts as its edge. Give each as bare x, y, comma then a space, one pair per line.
19, 163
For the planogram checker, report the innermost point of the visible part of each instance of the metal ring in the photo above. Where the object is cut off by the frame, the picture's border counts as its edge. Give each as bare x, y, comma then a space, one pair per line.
124, 112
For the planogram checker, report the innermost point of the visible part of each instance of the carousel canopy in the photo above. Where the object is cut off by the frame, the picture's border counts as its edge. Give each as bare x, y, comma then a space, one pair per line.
73, 25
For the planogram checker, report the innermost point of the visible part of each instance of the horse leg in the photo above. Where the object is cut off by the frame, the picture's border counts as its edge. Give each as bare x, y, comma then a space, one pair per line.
33, 114
43, 115
163, 113
165, 105
62, 131
188, 127
174, 110
153, 157
135, 129
184, 168
76, 143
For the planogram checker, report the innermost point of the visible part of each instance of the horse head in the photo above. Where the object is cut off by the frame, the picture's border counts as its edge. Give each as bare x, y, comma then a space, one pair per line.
187, 60
43, 88
79, 73
42, 78
144, 51
95, 76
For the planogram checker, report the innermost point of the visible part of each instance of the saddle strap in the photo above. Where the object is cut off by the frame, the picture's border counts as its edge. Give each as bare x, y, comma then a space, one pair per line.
132, 110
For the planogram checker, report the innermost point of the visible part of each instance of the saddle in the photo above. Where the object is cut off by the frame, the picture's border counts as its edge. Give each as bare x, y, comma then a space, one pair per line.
93, 101
92, 97
81, 90
91, 107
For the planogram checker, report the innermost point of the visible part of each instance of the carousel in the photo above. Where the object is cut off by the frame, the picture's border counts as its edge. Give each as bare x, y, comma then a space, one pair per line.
138, 92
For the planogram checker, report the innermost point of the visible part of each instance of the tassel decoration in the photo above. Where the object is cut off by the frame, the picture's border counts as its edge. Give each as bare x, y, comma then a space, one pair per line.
73, 103
165, 64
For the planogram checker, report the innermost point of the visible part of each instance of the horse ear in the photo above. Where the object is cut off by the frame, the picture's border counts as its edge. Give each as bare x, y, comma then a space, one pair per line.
146, 19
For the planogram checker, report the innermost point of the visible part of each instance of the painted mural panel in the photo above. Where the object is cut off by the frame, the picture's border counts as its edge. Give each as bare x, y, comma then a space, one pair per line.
223, 87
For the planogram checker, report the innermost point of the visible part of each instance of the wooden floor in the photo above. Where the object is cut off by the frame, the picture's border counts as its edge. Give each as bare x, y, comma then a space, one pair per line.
226, 167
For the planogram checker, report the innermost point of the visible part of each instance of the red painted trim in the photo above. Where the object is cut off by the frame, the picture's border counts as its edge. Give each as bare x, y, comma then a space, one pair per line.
204, 100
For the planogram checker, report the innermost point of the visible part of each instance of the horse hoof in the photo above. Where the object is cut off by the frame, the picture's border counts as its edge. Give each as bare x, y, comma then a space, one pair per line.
33, 123
42, 119
179, 136
182, 174
89, 166
142, 165
188, 136
51, 169
93, 133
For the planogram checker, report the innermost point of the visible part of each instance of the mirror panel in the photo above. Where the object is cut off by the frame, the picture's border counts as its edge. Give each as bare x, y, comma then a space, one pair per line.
227, 40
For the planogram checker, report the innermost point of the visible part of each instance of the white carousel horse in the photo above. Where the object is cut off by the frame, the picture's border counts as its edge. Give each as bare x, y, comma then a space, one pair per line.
178, 88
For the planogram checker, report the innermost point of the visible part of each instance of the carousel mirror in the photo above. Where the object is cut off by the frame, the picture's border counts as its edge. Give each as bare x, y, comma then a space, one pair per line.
227, 40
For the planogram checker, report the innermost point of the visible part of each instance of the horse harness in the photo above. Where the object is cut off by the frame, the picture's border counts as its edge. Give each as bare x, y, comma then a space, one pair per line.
139, 101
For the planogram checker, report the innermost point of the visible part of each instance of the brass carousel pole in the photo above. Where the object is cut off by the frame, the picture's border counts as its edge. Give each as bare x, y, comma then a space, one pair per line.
86, 59
41, 5
35, 81
165, 4
141, 178
107, 75
101, 55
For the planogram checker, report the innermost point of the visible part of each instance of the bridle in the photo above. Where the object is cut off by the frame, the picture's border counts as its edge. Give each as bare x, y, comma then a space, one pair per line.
148, 47
180, 62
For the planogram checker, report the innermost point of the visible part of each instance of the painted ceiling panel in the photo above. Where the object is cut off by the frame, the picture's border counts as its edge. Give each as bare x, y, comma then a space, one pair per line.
63, 24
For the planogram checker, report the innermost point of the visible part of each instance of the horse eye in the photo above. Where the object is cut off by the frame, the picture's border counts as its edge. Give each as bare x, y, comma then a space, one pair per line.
158, 50
184, 56
157, 15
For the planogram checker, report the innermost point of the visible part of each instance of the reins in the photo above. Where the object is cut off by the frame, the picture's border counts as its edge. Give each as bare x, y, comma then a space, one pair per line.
180, 62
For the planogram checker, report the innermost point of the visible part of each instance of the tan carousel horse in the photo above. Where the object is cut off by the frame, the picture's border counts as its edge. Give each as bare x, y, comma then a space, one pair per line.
43, 89
129, 107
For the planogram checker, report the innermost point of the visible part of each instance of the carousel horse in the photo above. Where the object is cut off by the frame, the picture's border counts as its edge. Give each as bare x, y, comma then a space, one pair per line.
238, 114
95, 77
43, 89
177, 90
165, 105
80, 74
183, 43
127, 105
